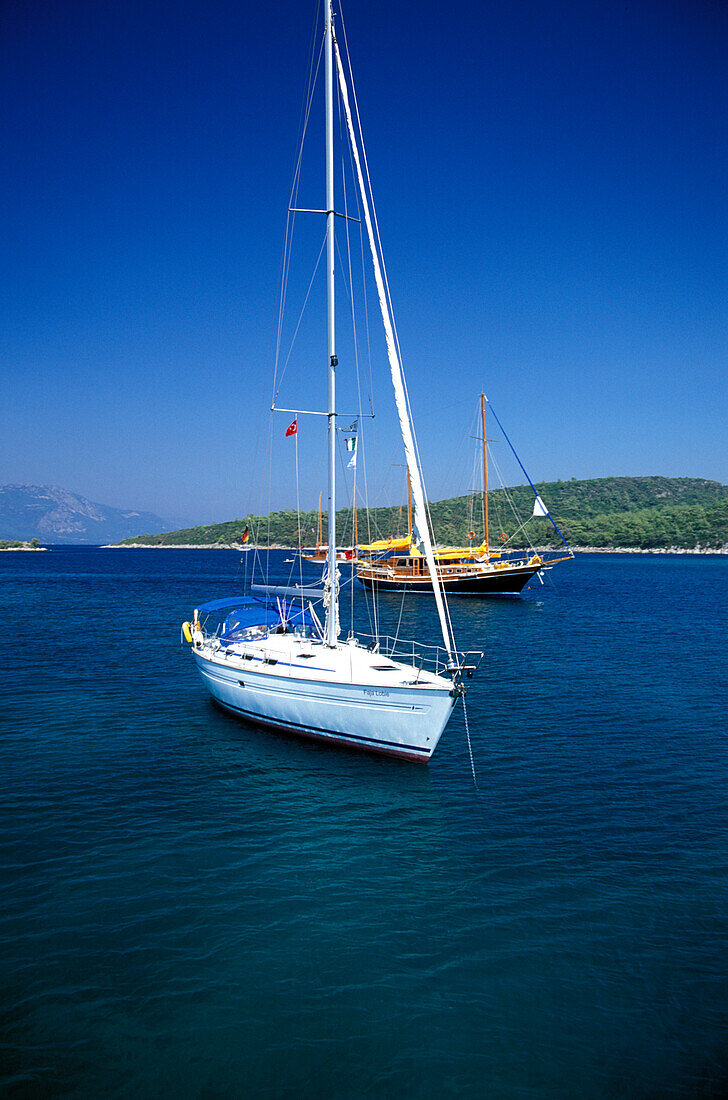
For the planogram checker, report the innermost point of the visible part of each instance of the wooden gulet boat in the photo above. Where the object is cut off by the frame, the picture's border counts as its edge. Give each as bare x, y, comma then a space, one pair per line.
396, 565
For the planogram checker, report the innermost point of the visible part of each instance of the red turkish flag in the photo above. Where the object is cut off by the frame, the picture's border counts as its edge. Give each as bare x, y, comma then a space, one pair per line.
292, 427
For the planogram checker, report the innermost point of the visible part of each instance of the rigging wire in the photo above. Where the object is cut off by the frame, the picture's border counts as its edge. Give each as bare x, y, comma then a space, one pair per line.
385, 278
523, 468
298, 557
307, 99
372, 608
277, 390
522, 523
257, 523
292, 203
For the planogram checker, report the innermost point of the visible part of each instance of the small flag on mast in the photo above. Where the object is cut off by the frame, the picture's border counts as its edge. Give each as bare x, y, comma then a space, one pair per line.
292, 428
245, 535
351, 447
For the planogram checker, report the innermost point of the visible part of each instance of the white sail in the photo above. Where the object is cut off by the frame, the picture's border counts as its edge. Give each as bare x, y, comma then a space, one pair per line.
421, 526
539, 508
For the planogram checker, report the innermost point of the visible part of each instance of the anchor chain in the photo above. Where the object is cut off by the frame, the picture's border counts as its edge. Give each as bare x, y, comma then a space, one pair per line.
470, 747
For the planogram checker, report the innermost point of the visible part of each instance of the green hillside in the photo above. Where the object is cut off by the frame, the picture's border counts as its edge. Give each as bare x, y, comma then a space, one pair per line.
644, 512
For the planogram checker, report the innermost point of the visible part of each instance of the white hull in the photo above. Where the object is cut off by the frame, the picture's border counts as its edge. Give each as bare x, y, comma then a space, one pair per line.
333, 701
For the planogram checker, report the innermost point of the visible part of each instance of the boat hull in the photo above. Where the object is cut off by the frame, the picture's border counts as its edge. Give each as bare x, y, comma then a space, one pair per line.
496, 583
400, 721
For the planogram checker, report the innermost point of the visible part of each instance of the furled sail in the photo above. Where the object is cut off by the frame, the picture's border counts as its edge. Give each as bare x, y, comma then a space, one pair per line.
421, 531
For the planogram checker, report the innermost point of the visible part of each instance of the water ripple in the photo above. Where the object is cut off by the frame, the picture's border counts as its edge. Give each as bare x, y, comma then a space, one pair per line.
196, 906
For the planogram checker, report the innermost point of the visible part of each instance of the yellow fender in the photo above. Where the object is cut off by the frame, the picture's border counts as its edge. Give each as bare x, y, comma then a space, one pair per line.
187, 632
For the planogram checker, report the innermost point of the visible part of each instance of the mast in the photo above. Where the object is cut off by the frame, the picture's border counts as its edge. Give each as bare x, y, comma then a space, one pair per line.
331, 578
485, 475
320, 537
356, 525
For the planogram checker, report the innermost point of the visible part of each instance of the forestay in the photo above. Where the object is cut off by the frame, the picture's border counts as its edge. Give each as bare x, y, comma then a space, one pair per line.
421, 524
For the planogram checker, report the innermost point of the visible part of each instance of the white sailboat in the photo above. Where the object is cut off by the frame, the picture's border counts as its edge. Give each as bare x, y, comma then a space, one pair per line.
268, 657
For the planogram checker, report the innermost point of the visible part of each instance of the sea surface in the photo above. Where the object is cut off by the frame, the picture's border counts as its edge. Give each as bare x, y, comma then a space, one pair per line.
196, 907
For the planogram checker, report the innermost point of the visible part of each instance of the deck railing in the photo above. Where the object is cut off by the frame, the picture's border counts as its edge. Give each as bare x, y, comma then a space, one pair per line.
432, 658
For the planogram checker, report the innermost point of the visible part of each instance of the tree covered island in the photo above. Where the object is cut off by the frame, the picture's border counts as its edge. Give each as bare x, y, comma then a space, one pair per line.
612, 513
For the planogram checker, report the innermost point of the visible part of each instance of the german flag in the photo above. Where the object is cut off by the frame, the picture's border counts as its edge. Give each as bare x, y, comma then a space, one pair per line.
245, 535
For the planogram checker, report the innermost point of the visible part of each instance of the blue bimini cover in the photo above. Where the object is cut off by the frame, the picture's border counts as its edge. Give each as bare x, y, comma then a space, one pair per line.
228, 603
246, 611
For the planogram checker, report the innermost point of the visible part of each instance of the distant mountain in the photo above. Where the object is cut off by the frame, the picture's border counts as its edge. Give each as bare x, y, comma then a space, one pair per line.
644, 512
52, 515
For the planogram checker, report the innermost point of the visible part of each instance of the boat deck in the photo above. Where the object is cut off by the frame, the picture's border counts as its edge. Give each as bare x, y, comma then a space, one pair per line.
309, 659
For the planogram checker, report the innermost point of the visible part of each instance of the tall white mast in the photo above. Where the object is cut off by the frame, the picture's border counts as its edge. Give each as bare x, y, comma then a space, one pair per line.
332, 586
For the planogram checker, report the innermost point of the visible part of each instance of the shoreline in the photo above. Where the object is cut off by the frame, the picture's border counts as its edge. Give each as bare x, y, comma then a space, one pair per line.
670, 550
21, 549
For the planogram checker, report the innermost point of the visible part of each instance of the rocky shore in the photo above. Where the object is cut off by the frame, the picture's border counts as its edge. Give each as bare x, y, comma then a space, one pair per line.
652, 550
539, 549
21, 546
188, 546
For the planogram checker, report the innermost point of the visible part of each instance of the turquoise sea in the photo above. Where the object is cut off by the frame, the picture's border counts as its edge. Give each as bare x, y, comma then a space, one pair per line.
195, 907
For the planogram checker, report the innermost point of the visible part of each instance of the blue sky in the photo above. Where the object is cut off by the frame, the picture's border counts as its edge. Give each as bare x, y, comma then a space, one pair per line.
551, 182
